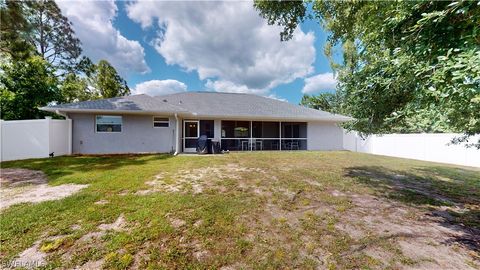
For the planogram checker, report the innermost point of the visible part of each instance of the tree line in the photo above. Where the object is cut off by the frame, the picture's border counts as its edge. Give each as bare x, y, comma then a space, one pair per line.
407, 66
41, 62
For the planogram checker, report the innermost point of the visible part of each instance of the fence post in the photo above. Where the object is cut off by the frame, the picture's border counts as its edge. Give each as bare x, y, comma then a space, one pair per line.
355, 137
48, 122
1, 139
70, 134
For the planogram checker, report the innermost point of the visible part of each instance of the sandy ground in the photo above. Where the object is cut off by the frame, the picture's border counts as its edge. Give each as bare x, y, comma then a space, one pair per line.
34, 257
429, 240
24, 186
425, 238
30, 258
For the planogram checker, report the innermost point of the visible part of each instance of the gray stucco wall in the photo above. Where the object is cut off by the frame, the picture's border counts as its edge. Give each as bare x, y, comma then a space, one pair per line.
324, 136
138, 135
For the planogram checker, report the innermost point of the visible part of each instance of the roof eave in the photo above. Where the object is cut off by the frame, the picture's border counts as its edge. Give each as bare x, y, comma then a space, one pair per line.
70, 110
335, 119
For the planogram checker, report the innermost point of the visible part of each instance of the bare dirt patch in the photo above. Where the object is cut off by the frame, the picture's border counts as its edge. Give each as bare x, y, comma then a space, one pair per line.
91, 265
24, 186
101, 202
35, 256
119, 225
20, 177
177, 223
391, 233
424, 239
30, 258
198, 250
93, 239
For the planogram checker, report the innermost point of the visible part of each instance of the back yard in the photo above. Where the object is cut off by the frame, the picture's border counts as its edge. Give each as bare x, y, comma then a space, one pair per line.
326, 210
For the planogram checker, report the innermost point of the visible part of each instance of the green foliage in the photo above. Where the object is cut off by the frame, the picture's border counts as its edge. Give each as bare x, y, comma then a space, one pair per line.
13, 28
102, 81
286, 13
41, 61
75, 88
410, 65
107, 81
114, 260
26, 85
329, 102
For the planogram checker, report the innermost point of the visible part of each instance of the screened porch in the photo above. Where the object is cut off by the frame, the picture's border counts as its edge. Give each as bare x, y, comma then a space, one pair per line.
263, 135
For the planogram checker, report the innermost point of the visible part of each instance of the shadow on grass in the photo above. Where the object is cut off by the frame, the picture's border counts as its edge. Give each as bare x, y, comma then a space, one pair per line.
65, 165
451, 195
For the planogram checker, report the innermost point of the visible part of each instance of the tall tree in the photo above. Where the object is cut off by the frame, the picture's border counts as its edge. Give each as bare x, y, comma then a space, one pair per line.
14, 30
399, 57
52, 35
38, 28
75, 88
26, 85
108, 82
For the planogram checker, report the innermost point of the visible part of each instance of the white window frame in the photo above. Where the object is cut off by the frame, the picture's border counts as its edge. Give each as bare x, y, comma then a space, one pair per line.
153, 121
96, 126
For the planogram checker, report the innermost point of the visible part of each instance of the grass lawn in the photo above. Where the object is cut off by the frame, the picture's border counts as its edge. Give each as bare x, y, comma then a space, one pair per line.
309, 210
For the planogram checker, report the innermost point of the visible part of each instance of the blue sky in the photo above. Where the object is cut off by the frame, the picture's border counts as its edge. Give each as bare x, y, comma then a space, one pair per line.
167, 47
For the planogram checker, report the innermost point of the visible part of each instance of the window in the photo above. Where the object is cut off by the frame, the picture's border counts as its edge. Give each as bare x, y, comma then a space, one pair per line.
207, 128
265, 130
108, 123
235, 129
160, 122
294, 130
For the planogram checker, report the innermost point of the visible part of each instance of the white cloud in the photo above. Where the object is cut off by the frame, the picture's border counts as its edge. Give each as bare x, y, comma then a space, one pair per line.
160, 87
230, 87
92, 23
274, 96
320, 82
227, 43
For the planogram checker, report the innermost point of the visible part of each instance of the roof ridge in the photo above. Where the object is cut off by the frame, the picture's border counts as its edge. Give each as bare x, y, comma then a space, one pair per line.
205, 92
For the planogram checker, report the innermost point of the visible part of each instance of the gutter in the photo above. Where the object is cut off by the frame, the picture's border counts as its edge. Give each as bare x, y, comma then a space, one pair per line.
176, 134
68, 110
60, 113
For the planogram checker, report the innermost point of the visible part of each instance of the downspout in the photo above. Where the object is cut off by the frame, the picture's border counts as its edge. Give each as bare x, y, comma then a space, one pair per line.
61, 114
176, 135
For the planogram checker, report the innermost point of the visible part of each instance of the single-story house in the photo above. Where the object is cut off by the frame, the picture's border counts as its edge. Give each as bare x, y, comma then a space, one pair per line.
173, 123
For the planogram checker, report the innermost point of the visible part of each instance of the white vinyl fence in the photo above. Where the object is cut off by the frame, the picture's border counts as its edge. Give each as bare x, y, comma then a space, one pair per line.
24, 139
422, 146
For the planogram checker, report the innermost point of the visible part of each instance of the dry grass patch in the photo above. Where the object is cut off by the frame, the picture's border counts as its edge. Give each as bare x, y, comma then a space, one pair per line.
198, 180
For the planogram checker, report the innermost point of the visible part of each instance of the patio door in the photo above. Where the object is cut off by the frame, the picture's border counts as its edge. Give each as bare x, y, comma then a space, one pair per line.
191, 131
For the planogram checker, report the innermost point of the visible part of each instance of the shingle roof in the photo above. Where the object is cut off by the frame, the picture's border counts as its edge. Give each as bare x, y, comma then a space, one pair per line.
138, 103
203, 104
245, 106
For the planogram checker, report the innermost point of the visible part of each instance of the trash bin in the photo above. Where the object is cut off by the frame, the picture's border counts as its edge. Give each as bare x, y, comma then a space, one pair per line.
209, 146
215, 147
202, 145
